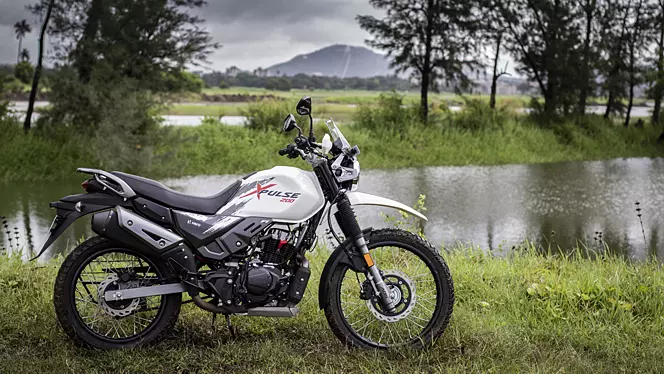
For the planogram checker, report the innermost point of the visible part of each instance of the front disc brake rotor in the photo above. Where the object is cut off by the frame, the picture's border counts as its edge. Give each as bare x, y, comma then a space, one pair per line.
120, 308
402, 290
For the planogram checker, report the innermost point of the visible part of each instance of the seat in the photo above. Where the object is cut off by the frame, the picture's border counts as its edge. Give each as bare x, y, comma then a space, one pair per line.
157, 192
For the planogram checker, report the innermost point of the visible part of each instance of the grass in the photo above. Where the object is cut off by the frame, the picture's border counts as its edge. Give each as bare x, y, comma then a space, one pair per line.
213, 148
517, 313
337, 111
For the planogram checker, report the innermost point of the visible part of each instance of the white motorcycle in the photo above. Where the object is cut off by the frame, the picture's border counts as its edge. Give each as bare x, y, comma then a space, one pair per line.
243, 252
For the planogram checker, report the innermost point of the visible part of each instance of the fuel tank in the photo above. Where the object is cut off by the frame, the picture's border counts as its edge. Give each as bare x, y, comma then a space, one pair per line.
284, 194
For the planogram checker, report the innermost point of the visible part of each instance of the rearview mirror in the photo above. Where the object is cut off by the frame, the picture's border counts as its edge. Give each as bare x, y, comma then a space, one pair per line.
304, 106
289, 123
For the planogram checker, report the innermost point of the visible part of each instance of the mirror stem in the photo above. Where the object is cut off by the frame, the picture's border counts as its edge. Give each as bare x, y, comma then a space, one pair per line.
312, 138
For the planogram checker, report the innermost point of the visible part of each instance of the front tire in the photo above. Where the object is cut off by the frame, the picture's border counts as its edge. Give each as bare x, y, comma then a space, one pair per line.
92, 268
404, 259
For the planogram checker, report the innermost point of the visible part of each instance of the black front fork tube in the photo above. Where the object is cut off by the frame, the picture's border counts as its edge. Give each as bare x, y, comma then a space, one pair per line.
351, 229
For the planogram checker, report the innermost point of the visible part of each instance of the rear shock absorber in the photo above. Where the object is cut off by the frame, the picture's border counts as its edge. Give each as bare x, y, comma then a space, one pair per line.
351, 228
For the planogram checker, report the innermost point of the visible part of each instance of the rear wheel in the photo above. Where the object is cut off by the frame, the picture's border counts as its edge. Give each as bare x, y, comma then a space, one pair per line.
420, 285
97, 266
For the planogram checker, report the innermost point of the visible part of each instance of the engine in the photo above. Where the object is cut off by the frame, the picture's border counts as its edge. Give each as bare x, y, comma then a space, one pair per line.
266, 277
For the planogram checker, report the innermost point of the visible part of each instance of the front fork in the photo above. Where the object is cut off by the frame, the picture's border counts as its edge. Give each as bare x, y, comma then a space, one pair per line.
351, 229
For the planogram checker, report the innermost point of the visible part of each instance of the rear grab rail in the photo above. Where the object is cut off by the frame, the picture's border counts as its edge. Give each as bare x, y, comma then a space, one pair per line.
102, 177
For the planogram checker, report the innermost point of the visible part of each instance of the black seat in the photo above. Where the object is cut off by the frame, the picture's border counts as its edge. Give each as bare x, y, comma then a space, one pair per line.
157, 192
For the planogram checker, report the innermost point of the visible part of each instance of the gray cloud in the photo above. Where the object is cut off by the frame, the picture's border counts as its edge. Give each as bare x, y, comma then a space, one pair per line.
253, 33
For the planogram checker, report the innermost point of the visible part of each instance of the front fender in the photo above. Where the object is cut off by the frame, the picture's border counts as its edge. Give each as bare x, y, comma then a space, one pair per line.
359, 198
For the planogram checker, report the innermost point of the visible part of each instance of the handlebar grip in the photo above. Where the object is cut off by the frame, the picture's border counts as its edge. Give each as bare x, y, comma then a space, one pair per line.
283, 152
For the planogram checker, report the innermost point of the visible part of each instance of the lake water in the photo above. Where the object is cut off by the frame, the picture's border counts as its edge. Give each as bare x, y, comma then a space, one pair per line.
493, 207
172, 120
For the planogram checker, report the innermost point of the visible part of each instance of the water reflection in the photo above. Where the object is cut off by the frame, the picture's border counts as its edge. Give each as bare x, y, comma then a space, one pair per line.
495, 207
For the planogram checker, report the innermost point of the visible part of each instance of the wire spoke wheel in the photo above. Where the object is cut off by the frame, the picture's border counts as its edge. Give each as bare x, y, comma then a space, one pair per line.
420, 287
410, 282
110, 271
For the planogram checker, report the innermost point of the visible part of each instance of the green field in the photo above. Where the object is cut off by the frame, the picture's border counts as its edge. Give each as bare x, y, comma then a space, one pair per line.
519, 313
337, 111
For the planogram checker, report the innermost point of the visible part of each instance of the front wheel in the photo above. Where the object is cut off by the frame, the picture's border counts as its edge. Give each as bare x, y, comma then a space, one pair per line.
418, 280
99, 265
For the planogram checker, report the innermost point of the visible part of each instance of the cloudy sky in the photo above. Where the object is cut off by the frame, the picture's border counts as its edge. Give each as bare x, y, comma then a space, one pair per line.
253, 33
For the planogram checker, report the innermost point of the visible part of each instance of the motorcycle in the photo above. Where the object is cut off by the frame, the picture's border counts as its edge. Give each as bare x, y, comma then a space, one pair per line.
242, 252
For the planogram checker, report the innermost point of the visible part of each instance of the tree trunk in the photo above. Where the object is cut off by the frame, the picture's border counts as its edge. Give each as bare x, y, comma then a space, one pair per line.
424, 95
38, 69
583, 95
85, 60
616, 63
630, 103
494, 79
426, 65
659, 83
18, 55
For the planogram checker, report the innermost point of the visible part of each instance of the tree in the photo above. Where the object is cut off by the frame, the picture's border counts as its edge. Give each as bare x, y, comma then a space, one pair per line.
589, 9
25, 55
544, 37
431, 39
613, 59
635, 45
657, 91
21, 28
38, 69
140, 44
24, 72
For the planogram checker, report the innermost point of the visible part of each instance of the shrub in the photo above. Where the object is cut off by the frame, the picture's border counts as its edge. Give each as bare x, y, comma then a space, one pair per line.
23, 71
478, 115
269, 115
389, 115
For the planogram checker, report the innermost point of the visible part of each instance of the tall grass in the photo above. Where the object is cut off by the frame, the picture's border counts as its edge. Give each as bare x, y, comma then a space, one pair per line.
519, 313
390, 136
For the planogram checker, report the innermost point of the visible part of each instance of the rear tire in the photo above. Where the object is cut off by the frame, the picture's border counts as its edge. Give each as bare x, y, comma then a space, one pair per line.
65, 299
340, 321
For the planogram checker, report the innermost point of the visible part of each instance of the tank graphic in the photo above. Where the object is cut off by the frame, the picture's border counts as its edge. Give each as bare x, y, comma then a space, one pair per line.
284, 194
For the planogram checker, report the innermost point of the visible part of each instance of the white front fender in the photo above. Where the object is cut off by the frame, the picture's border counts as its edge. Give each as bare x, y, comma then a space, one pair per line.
359, 198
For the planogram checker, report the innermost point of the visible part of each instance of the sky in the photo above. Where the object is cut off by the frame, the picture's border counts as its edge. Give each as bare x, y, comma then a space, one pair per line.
253, 33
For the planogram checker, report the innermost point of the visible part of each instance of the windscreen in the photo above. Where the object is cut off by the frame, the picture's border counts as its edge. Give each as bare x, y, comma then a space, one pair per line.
336, 134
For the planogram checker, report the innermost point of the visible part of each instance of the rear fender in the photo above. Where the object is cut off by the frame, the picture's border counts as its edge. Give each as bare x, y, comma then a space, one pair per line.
70, 208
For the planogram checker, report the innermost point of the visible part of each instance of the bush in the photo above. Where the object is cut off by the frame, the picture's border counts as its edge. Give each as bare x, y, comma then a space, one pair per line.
478, 115
389, 115
24, 72
269, 115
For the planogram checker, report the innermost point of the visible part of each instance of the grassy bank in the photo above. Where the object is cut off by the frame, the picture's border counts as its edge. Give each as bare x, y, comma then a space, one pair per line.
340, 112
213, 148
524, 312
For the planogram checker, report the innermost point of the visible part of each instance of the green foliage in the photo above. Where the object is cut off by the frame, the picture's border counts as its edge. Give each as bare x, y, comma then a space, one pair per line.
308, 82
278, 84
213, 148
182, 81
23, 71
478, 115
269, 115
389, 115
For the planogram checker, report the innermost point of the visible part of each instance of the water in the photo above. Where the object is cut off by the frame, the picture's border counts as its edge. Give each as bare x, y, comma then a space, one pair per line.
494, 207
173, 120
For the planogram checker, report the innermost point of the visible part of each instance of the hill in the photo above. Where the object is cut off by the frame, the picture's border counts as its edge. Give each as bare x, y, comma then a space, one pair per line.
337, 60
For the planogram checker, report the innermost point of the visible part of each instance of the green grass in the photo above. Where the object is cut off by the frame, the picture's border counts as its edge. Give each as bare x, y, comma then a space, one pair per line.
354, 96
337, 111
213, 148
517, 313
